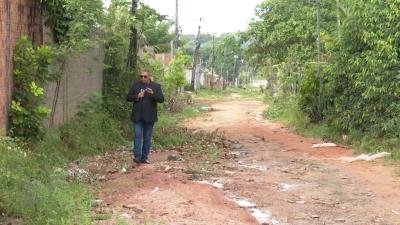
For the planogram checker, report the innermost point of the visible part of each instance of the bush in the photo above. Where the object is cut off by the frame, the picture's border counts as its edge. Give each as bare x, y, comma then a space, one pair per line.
365, 75
287, 110
91, 132
30, 75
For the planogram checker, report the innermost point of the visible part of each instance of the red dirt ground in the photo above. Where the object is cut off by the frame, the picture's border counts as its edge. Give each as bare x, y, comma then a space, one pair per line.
276, 170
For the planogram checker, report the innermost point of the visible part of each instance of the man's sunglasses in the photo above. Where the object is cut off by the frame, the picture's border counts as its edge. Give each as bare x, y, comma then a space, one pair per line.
143, 76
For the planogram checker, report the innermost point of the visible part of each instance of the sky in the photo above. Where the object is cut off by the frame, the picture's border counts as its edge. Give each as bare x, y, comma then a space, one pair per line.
218, 16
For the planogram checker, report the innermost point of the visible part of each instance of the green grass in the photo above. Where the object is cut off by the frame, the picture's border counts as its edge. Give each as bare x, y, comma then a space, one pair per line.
252, 93
167, 133
287, 111
39, 193
33, 178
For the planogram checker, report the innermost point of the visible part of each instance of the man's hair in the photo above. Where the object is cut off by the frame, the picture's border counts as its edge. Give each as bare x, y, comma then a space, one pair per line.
145, 69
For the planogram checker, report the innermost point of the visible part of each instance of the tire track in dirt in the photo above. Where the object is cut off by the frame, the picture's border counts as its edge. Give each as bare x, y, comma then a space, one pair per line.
302, 185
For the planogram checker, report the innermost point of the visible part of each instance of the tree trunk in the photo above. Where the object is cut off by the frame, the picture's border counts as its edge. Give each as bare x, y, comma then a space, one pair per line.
131, 62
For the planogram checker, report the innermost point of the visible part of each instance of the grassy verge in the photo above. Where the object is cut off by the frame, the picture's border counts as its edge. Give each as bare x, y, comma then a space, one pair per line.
253, 93
34, 184
167, 133
287, 111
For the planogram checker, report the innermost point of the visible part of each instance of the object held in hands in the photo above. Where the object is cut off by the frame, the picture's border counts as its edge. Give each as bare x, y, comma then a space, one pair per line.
141, 93
149, 90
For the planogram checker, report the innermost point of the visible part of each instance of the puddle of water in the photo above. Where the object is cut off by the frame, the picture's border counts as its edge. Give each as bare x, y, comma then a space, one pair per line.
253, 166
243, 203
262, 216
287, 187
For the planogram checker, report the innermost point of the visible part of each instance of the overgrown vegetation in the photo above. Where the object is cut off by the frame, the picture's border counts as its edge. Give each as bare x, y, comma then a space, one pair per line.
351, 89
286, 110
34, 171
36, 191
34, 181
166, 132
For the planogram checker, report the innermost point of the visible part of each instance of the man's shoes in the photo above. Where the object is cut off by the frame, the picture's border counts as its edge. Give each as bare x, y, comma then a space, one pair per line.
137, 161
145, 161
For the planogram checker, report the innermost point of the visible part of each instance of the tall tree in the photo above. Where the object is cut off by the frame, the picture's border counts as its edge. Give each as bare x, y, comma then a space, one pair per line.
131, 62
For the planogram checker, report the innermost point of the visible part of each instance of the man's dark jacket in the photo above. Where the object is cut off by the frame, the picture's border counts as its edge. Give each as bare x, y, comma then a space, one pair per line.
145, 109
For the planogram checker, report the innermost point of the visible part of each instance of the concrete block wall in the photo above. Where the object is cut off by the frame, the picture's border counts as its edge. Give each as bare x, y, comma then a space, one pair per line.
17, 18
83, 75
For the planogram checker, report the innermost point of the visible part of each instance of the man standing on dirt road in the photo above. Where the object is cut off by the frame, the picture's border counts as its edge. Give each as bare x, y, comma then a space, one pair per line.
145, 95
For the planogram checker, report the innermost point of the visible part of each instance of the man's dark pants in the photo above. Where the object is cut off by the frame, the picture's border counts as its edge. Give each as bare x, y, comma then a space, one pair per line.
142, 130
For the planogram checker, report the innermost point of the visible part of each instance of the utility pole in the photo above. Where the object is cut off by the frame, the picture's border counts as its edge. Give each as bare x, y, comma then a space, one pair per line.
319, 55
338, 18
196, 58
131, 62
234, 69
176, 41
223, 67
212, 63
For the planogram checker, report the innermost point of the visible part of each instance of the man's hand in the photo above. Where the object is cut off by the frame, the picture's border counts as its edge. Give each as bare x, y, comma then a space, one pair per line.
141, 94
149, 90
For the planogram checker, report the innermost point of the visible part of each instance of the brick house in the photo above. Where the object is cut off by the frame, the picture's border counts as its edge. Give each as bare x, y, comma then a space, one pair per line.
17, 18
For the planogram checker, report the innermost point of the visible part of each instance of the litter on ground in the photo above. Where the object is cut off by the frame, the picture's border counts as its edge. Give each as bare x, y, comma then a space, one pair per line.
324, 145
364, 157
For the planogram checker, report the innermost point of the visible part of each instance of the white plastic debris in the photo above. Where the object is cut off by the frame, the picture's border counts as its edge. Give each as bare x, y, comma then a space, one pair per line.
217, 184
324, 145
155, 189
364, 157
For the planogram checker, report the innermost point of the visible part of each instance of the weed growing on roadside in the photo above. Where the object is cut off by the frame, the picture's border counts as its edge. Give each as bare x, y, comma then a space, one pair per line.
288, 112
33, 182
31, 188
167, 133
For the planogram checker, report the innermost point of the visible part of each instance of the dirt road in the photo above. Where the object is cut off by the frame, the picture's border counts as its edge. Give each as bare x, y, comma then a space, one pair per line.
272, 176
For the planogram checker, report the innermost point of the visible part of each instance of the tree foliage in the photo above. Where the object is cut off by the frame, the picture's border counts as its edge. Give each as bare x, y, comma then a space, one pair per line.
226, 47
365, 71
359, 64
73, 22
153, 32
175, 75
